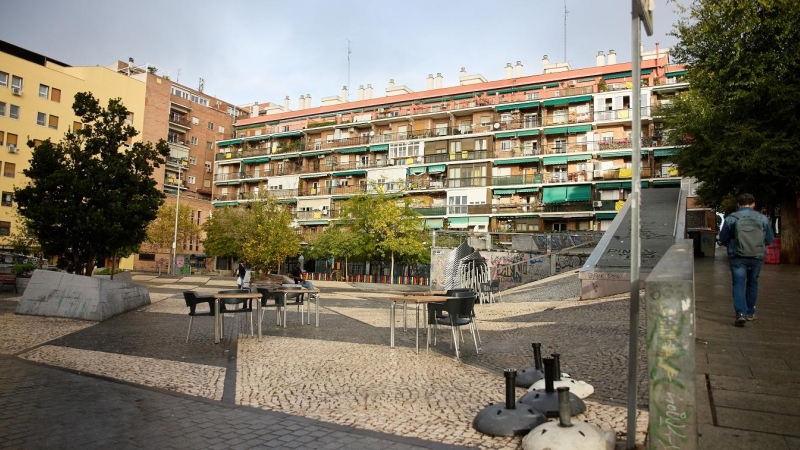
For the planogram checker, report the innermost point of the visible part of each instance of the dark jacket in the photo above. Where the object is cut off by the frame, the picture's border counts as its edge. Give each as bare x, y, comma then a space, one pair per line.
241, 271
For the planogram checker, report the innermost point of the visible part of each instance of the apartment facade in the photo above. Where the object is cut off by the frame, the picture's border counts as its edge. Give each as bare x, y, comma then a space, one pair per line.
548, 152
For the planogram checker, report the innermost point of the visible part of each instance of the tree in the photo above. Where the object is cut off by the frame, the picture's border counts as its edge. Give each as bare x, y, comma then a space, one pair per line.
385, 227
161, 231
740, 119
337, 241
259, 232
87, 194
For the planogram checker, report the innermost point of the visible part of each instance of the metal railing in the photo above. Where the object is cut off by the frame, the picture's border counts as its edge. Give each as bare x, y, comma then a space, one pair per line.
619, 114
413, 184
432, 211
463, 155
510, 180
466, 182
227, 176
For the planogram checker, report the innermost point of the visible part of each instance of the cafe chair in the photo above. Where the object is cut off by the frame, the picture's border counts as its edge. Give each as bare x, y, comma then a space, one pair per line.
192, 300
297, 299
236, 306
277, 298
459, 313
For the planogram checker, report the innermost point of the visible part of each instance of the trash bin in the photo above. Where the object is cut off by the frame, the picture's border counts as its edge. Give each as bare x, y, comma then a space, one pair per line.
773, 252
694, 235
708, 242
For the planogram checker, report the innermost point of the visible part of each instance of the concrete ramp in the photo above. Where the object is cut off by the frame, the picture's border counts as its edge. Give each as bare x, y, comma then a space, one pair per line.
607, 270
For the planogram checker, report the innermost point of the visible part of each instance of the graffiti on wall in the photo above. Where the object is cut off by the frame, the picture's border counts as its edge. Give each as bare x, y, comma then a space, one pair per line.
566, 261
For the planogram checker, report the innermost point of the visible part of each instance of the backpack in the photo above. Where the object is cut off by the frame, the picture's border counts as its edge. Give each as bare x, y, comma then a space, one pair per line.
748, 236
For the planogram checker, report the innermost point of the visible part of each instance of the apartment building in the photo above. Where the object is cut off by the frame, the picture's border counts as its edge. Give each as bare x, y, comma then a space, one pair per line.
36, 97
546, 152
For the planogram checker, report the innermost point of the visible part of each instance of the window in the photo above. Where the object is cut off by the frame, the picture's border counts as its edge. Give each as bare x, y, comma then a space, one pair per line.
221, 129
55, 95
3, 79
11, 139
195, 121
560, 146
485, 120
53, 122
44, 91
41, 118
6, 199
200, 212
194, 140
2, 135
5, 228
147, 256
206, 183
505, 146
13, 112
457, 205
211, 126
9, 169
193, 160
209, 145
505, 118
16, 82
208, 166
2, 108
317, 144
76, 126
191, 179
560, 116
559, 226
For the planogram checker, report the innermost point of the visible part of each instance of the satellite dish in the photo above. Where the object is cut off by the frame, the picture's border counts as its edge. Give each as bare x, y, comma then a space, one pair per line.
496, 125
372, 133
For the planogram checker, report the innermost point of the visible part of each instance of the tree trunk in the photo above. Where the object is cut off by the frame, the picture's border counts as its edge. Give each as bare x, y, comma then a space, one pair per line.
790, 230
345, 268
113, 265
391, 271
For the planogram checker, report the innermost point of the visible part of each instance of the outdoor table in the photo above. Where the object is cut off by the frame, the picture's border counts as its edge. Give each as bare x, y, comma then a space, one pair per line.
417, 294
290, 291
417, 300
218, 316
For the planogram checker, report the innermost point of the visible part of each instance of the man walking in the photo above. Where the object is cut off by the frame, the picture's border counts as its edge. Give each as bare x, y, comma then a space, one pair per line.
746, 234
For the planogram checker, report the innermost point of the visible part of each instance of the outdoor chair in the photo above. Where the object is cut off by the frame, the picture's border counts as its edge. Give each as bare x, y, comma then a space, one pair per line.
192, 300
236, 306
459, 313
494, 285
485, 294
266, 295
297, 299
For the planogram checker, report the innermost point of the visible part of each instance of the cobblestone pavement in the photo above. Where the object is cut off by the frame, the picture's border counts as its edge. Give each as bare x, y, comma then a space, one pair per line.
344, 371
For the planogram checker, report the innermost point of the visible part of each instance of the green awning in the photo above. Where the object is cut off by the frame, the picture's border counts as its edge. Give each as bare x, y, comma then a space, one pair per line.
628, 185
665, 151
458, 222
287, 134
284, 156
349, 173
527, 190
508, 162
314, 222
507, 134
677, 73
573, 158
262, 159
606, 186
614, 154
316, 153
229, 142
434, 224
611, 76
439, 168
257, 138
557, 194
579, 193
557, 130
218, 204
436, 100
566, 101
417, 170
606, 215
478, 221
527, 133
531, 88
645, 183
553, 160
462, 96
352, 150
580, 129
667, 182
509, 107
379, 148
504, 191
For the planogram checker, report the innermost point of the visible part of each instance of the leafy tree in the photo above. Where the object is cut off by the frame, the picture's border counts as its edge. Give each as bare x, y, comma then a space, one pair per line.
260, 232
740, 118
337, 241
385, 227
161, 231
88, 195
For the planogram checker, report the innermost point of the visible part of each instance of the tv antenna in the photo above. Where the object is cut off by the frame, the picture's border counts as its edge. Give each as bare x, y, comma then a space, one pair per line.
348, 70
565, 30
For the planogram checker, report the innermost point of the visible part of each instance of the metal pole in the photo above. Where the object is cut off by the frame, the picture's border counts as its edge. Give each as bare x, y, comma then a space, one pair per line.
175, 236
636, 129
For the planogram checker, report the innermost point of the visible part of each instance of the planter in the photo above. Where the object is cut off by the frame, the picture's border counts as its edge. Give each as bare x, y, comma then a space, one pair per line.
22, 283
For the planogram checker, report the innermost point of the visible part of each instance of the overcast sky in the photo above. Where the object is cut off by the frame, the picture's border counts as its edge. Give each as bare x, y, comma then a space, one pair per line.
250, 50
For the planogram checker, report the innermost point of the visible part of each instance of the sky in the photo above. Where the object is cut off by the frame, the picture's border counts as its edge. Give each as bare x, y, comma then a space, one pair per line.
250, 50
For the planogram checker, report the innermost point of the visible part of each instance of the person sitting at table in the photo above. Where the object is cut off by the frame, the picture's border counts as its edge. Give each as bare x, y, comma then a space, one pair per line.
297, 274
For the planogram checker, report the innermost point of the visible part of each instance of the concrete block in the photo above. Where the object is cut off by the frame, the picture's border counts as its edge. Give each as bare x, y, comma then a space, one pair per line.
60, 294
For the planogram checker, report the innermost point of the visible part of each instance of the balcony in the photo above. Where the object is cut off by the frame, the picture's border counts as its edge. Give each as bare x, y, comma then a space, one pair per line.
466, 182
174, 162
511, 180
432, 211
335, 190
562, 148
463, 155
569, 92
336, 143
568, 118
622, 173
355, 165
311, 215
425, 184
385, 187
174, 183
179, 122
564, 177
227, 177
619, 114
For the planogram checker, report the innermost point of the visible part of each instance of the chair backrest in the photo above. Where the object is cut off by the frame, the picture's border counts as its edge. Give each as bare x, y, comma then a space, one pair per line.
460, 292
235, 301
266, 294
495, 286
234, 291
467, 306
192, 300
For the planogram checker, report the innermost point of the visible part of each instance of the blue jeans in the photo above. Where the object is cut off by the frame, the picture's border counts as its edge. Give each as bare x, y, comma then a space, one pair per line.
745, 272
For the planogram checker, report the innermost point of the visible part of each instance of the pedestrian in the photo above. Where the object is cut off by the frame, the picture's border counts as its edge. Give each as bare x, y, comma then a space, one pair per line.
297, 274
746, 234
241, 271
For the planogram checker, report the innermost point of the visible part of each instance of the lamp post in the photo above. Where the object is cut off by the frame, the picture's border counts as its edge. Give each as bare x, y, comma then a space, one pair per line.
175, 270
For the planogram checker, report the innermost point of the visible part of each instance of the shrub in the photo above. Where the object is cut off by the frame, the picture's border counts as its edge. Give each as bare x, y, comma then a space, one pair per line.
106, 271
23, 270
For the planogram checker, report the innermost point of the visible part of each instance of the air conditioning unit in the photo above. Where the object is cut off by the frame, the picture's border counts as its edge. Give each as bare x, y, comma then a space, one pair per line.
381, 109
597, 204
393, 113
351, 130
16, 90
571, 83
12, 148
597, 174
208, 169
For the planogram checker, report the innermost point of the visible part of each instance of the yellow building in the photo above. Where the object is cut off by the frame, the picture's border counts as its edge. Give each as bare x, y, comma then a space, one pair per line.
36, 97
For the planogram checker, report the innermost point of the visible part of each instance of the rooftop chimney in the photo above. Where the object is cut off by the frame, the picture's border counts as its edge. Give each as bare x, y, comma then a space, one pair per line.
429, 82
463, 71
518, 69
254, 110
439, 79
345, 94
509, 71
369, 91
308, 101
361, 92
286, 103
612, 57
302, 103
545, 61
601, 58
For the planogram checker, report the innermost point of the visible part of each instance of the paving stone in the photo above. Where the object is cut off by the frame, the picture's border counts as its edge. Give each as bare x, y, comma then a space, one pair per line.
778, 404
758, 421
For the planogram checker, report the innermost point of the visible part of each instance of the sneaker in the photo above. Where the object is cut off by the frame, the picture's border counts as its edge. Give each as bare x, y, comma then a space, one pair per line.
751, 317
740, 320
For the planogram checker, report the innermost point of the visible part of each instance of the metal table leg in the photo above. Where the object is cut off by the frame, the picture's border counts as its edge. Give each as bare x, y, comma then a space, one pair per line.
417, 328
391, 325
258, 315
405, 308
316, 307
216, 321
